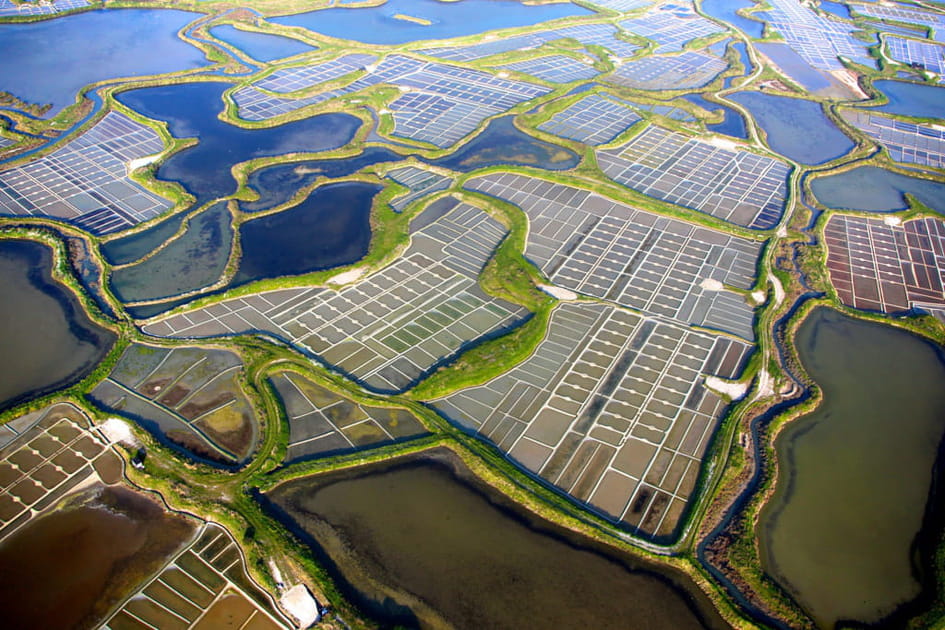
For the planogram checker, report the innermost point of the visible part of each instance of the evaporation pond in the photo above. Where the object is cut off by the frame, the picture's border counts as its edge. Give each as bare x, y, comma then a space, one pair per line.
403, 21
857, 470
69, 568
503, 143
261, 46
46, 339
130, 248
873, 189
725, 10
193, 260
277, 184
191, 110
912, 99
417, 531
331, 227
68, 53
795, 128
732, 125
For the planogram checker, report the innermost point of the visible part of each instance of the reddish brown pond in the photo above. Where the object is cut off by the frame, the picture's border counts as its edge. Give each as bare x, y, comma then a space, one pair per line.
68, 568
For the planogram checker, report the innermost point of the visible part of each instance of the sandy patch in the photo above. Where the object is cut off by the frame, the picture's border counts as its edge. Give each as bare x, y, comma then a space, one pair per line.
893, 221
722, 143
300, 604
347, 277
276, 573
117, 431
712, 285
778, 289
765, 385
849, 80
559, 292
758, 297
735, 391
142, 161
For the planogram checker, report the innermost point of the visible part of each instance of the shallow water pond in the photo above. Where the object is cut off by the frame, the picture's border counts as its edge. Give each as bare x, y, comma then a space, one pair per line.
331, 227
191, 110
68, 568
423, 544
795, 128
873, 189
912, 99
386, 24
46, 339
68, 53
261, 46
857, 471
191, 261
503, 143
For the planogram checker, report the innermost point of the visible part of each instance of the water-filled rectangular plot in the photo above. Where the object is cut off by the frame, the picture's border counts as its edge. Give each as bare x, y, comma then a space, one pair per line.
593, 120
191, 396
450, 305
301, 77
909, 15
86, 181
689, 70
555, 68
420, 182
605, 35
671, 27
595, 246
322, 422
9, 9
923, 54
879, 266
818, 40
729, 183
441, 104
914, 143
191, 593
595, 438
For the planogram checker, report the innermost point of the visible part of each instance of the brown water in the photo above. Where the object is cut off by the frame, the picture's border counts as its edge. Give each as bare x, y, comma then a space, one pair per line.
423, 547
857, 471
68, 568
46, 339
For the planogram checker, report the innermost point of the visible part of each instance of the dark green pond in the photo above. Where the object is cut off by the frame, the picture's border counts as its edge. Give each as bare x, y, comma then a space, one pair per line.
422, 543
857, 472
46, 339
